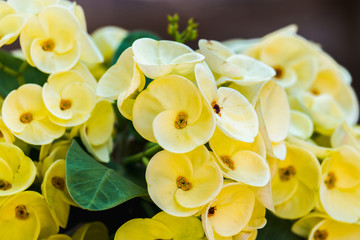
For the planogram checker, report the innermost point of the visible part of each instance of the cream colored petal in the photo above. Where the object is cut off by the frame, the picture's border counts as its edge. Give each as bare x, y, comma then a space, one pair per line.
158, 58
252, 70
306, 69
90, 53
288, 79
345, 163
119, 77
50, 61
216, 54
101, 123
279, 150
251, 92
107, 39
300, 204
31, 31
320, 152
300, 125
276, 111
206, 82
10, 27
30, 7
257, 220
282, 49
237, 118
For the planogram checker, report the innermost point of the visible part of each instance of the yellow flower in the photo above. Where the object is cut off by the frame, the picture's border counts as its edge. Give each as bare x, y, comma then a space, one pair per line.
171, 112
296, 67
329, 102
161, 226
123, 81
96, 132
70, 96
295, 183
180, 184
25, 114
228, 66
234, 114
11, 23
26, 216
241, 161
17, 170
54, 40
91, 231
159, 58
340, 185
56, 194
229, 213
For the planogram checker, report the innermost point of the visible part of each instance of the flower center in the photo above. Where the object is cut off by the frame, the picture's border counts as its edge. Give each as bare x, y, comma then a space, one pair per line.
321, 234
315, 91
183, 183
5, 185
58, 182
21, 212
212, 211
65, 104
48, 45
228, 162
330, 180
279, 72
26, 117
181, 120
286, 173
216, 108
1, 134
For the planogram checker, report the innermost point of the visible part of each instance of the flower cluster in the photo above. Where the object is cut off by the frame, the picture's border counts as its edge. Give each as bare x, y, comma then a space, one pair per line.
243, 126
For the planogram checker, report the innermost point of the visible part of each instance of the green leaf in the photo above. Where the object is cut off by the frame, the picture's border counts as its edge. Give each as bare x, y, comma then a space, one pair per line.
11, 68
94, 186
128, 41
277, 228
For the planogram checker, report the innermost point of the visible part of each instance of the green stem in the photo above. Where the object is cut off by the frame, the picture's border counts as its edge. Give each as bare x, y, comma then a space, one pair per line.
19, 74
139, 156
8, 70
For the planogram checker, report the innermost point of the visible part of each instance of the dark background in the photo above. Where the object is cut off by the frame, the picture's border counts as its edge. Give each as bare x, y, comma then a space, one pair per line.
334, 24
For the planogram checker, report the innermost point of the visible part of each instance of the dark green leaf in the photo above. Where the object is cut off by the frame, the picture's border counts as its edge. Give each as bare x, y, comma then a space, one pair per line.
128, 41
277, 229
94, 186
9, 82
